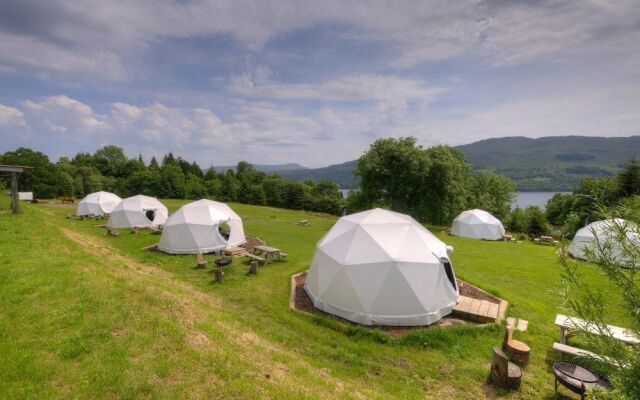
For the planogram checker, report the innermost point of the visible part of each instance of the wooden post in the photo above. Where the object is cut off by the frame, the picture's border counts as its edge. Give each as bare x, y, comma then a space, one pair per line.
15, 203
219, 274
253, 268
201, 262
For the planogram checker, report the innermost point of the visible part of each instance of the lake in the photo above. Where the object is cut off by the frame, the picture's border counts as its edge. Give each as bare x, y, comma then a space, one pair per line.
523, 199
526, 199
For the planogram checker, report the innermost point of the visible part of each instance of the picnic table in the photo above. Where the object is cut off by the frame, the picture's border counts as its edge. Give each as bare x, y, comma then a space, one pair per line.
268, 253
566, 324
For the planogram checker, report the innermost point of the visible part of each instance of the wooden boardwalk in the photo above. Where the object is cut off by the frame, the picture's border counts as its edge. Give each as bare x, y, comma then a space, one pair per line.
477, 310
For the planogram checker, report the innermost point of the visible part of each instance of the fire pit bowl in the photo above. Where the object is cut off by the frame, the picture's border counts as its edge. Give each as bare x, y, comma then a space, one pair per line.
223, 262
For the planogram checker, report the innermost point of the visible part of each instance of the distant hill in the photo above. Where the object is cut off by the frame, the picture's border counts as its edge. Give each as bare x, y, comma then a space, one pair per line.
265, 168
552, 163
556, 163
342, 174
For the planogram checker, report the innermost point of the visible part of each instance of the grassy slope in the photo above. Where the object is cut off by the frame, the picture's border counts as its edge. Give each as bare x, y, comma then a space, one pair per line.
87, 315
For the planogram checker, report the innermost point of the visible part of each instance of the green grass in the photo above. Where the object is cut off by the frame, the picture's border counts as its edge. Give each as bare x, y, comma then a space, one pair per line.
86, 315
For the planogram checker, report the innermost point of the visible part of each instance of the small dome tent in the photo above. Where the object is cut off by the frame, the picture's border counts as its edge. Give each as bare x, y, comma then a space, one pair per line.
380, 267
140, 211
98, 204
477, 224
203, 226
603, 234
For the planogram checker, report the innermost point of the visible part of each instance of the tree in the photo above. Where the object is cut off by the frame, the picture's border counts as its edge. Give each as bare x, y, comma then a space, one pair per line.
274, 190
194, 188
629, 179
110, 161
587, 303
558, 208
445, 192
490, 192
517, 221
536, 221
394, 174
294, 196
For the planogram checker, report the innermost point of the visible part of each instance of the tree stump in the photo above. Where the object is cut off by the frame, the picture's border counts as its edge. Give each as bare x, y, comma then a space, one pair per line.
253, 268
517, 350
201, 262
504, 374
219, 274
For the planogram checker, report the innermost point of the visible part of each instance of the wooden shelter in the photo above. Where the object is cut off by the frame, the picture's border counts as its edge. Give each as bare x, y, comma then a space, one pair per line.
13, 171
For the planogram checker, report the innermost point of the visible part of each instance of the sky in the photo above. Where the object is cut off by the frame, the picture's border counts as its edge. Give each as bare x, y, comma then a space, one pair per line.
311, 82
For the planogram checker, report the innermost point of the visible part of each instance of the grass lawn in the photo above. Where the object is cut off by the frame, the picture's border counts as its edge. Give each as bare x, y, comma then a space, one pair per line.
86, 315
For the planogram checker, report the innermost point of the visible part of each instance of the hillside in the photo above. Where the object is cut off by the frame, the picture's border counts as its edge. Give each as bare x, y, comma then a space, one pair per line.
265, 168
552, 163
548, 163
340, 173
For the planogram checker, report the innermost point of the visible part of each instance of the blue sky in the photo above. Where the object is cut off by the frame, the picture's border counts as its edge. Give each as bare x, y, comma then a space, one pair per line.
311, 82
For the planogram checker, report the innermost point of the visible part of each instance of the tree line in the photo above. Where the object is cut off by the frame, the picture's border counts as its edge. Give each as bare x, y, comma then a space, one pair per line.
593, 197
433, 185
111, 170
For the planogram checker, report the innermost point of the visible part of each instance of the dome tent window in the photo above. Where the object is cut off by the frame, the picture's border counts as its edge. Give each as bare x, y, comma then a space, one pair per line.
448, 269
224, 230
150, 214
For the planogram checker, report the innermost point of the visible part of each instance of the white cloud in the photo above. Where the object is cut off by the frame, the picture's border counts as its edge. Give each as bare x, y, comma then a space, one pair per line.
96, 37
63, 114
10, 116
382, 88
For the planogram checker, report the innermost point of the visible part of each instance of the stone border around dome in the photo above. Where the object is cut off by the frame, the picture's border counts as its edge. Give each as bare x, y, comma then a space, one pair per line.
453, 319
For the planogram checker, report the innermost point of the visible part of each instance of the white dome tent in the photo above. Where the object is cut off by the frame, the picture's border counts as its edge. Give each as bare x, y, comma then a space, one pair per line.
602, 234
380, 267
138, 211
98, 204
203, 226
477, 224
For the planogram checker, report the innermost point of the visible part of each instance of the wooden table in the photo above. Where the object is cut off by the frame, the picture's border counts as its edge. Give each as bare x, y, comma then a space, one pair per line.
268, 252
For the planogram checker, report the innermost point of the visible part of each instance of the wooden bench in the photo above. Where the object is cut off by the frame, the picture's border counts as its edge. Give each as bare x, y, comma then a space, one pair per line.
67, 199
566, 324
576, 352
255, 257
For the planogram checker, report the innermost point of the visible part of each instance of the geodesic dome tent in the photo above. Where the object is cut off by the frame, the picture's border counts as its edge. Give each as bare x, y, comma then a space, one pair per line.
601, 235
203, 226
380, 267
477, 224
138, 211
98, 204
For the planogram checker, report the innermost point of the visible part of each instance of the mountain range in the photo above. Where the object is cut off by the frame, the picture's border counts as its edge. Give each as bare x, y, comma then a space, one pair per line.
555, 163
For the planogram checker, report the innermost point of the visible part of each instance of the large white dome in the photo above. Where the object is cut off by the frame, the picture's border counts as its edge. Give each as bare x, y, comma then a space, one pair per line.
140, 211
197, 228
477, 224
98, 204
603, 233
380, 267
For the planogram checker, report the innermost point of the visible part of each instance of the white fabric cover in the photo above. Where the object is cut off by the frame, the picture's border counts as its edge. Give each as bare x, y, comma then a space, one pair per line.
98, 204
380, 267
132, 211
477, 224
27, 196
193, 229
604, 231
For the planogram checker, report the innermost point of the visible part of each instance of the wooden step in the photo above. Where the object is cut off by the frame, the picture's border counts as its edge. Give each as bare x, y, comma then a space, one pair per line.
476, 310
